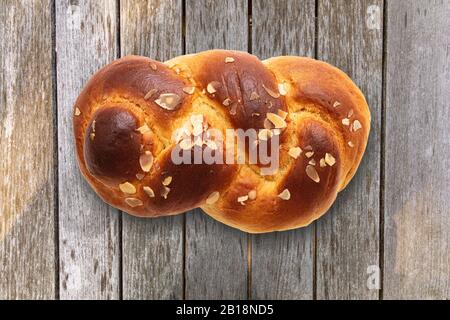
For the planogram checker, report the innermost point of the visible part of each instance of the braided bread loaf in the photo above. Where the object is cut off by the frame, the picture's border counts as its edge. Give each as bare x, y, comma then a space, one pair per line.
126, 117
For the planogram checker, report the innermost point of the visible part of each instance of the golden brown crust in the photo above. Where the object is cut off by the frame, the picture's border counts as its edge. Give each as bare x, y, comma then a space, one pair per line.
126, 116
327, 91
236, 81
112, 144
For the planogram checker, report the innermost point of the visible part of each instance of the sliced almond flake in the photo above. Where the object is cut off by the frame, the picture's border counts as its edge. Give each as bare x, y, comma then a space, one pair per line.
167, 180
252, 194
187, 129
350, 113
350, 144
213, 198
189, 90
226, 102
93, 126
309, 154
282, 114
143, 129
146, 161
285, 195
312, 162
153, 66
92, 136
254, 96
345, 121
165, 192
277, 121
181, 133
282, 89
127, 187
322, 163
139, 176
271, 93
264, 134
149, 94
233, 109
77, 112
329, 159
186, 144
336, 104
312, 173
212, 87
149, 191
196, 119
197, 129
229, 59
168, 101
133, 202
242, 199
356, 125
197, 124
295, 152
268, 124
255, 114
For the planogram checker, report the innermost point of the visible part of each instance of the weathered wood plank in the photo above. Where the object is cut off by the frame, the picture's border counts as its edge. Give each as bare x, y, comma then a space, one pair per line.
282, 263
152, 248
216, 255
348, 236
417, 223
89, 229
27, 200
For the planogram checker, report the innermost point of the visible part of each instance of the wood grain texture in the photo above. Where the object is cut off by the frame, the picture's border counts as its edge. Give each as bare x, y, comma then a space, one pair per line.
216, 255
152, 248
27, 201
417, 225
89, 238
348, 235
41, 186
282, 262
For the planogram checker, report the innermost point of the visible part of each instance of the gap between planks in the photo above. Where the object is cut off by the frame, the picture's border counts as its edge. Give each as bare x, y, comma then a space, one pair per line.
382, 149
55, 148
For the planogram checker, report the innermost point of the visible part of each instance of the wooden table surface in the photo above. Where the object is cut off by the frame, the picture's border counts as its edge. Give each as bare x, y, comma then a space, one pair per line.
392, 223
